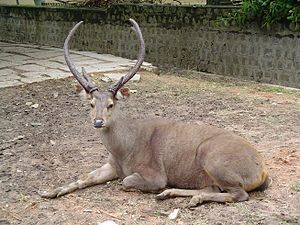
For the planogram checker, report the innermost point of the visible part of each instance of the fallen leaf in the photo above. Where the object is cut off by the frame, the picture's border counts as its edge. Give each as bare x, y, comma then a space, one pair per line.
107, 222
34, 124
173, 215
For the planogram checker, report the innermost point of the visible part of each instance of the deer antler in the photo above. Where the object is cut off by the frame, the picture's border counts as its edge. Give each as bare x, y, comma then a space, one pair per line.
85, 80
124, 79
82, 78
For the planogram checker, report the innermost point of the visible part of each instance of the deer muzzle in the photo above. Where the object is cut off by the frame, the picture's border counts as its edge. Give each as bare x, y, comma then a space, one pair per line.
98, 123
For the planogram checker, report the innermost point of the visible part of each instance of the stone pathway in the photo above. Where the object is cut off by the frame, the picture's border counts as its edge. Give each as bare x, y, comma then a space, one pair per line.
22, 63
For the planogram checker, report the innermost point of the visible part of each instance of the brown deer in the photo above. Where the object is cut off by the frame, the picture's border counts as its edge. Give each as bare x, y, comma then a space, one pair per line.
205, 162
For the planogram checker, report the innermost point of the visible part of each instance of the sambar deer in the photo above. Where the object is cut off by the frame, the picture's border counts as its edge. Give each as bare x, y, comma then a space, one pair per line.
197, 160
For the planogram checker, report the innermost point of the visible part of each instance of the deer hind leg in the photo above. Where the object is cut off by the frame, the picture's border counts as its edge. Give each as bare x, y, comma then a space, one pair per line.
227, 180
151, 183
106, 173
237, 194
172, 193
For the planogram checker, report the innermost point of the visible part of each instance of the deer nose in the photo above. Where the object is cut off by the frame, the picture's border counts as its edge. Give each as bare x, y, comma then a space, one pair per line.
98, 123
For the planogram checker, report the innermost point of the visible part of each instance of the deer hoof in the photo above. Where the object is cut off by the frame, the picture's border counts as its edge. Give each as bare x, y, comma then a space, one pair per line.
47, 194
164, 195
161, 196
195, 201
51, 194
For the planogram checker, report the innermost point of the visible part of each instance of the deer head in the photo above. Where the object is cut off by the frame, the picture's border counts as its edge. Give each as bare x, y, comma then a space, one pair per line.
103, 102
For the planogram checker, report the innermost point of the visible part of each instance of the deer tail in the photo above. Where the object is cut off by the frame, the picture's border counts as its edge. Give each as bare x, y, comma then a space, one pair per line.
267, 183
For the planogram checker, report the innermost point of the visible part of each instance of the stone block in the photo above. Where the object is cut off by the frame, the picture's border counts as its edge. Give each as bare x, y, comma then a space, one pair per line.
6, 64
32, 77
10, 83
117, 76
103, 68
4, 55
8, 74
18, 59
278, 53
50, 64
268, 52
100, 57
45, 55
4, 44
30, 67
289, 65
60, 59
297, 79
56, 74
284, 76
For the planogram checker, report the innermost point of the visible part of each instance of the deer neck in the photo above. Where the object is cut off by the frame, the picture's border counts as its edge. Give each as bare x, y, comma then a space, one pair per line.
118, 138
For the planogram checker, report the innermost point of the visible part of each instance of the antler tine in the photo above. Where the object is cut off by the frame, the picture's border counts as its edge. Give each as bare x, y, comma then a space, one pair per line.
83, 78
115, 87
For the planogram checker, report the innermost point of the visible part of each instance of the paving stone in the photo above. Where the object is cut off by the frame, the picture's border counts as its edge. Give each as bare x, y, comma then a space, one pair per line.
19, 59
9, 77
60, 59
8, 74
95, 55
74, 57
10, 83
103, 68
79, 58
43, 54
18, 49
5, 72
32, 77
145, 63
85, 62
31, 67
29, 46
4, 64
4, 44
47, 48
109, 58
117, 76
34, 74
146, 66
56, 74
4, 55
21, 63
50, 64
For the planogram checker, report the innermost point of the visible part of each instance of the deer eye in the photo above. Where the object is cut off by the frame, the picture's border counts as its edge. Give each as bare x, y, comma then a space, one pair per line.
92, 105
110, 106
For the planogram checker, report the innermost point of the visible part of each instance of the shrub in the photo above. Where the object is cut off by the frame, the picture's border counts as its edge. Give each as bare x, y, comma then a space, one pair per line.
266, 12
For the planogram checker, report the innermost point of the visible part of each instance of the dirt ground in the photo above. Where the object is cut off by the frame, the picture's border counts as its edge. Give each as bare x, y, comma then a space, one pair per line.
53, 144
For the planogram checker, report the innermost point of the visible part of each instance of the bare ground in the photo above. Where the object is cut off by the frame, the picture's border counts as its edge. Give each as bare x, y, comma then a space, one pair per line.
59, 145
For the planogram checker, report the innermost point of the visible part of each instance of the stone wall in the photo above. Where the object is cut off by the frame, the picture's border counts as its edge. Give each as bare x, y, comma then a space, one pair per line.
175, 36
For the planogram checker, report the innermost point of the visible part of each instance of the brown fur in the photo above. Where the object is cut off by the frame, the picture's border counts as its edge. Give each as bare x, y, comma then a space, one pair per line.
150, 155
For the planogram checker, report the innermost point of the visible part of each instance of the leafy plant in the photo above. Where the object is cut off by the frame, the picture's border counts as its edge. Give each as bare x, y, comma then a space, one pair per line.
294, 14
266, 12
97, 3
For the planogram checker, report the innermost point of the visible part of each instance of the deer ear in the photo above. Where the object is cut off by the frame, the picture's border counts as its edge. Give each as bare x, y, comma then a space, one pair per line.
82, 93
123, 93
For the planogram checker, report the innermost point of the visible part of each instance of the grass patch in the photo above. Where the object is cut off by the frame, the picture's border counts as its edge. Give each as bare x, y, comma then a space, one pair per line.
295, 186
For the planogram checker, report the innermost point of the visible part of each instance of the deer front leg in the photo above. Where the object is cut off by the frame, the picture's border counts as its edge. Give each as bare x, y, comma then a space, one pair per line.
144, 183
106, 173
